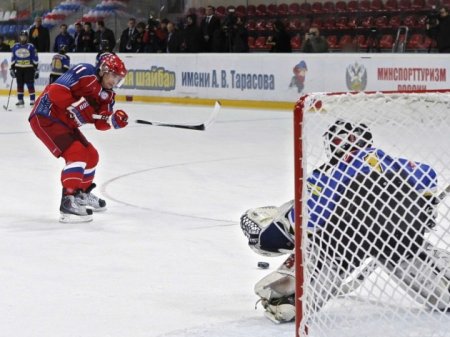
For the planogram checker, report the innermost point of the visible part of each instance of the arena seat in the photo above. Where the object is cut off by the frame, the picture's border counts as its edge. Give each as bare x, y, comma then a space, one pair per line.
260, 43
386, 41
353, 6
418, 5
395, 21
329, 23
251, 10
376, 5
305, 8
329, 7
294, 9
342, 22
391, 5
317, 8
404, 5
341, 6
364, 6
251, 25
261, 10
272, 10
382, 22
240, 11
283, 9
332, 41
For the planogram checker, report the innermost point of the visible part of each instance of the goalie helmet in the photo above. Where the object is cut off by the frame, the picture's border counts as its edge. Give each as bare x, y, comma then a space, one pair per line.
343, 137
339, 139
364, 137
111, 63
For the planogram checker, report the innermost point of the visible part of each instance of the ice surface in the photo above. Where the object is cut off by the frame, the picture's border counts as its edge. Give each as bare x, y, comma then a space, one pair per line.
168, 257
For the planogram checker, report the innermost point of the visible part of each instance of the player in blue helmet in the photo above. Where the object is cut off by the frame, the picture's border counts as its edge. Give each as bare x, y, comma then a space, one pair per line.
24, 67
60, 63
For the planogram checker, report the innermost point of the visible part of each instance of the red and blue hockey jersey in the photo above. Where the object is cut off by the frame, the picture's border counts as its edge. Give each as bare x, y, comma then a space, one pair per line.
78, 82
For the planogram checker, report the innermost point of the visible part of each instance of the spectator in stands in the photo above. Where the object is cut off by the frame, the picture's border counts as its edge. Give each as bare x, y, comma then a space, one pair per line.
140, 46
193, 35
314, 42
228, 28
280, 40
128, 38
441, 30
87, 37
151, 41
39, 36
174, 39
240, 42
78, 32
104, 33
161, 36
210, 23
4, 46
63, 39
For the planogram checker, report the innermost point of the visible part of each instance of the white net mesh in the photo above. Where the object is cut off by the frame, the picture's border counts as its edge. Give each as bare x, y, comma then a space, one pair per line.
376, 223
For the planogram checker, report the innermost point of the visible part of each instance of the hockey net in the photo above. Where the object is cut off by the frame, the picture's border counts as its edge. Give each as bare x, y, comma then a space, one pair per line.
374, 224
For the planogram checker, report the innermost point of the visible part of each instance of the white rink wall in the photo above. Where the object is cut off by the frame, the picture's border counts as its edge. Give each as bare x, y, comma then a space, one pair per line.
260, 77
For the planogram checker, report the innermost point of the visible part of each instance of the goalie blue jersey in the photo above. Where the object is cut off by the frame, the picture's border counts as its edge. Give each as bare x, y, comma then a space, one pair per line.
325, 190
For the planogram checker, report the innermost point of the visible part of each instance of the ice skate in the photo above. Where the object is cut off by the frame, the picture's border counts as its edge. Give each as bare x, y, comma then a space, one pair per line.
73, 209
91, 201
31, 103
20, 104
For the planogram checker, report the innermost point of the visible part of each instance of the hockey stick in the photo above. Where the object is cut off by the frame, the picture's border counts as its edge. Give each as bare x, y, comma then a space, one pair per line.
199, 127
9, 95
359, 275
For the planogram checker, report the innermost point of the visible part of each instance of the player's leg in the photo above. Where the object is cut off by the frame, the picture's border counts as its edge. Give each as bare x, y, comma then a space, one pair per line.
62, 142
424, 277
87, 183
29, 81
20, 78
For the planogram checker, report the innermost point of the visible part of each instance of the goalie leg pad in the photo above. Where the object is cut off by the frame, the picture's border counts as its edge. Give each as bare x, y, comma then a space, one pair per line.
421, 278
277, 292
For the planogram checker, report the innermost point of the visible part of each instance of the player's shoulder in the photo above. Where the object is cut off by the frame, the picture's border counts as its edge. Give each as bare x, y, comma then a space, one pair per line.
83, 70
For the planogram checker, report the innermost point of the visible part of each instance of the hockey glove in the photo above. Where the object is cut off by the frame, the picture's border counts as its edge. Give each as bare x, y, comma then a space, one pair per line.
81, 112
12, 71
101, 122
36, 74
119, 119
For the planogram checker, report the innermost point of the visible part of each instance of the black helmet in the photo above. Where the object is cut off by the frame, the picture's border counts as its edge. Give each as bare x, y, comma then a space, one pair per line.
62, 49
23, 33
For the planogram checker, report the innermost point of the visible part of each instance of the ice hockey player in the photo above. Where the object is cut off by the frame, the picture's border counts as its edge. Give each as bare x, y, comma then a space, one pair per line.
82, 95
24, 67
356, 174
60, 64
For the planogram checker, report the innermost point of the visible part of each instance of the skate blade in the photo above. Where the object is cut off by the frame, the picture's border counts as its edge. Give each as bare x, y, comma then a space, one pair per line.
100, 209
72, 218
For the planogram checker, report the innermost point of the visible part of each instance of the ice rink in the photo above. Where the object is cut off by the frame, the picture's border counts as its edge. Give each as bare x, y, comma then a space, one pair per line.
168, 257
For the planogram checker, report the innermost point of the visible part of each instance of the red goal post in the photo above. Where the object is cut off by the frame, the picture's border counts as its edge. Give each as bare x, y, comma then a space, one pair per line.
379, 295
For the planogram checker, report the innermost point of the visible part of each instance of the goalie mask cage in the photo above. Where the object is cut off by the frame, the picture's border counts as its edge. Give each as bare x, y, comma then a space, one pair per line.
372, 260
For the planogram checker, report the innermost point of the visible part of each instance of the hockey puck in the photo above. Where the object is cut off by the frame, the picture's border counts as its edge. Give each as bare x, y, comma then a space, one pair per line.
263, 265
